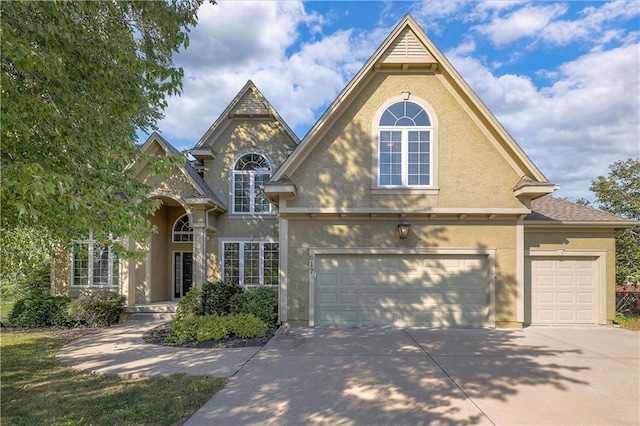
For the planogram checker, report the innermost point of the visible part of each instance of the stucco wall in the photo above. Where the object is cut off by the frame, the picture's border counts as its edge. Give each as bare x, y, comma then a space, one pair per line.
338, 172
370, 233
583, 241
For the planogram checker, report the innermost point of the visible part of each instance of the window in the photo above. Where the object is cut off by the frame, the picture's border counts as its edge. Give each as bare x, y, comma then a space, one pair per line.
95, 264
405, 156
250, 174
182, 231
251, 263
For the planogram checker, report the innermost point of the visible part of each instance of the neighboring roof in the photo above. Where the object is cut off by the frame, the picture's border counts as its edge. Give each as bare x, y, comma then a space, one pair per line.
549, 210
198, 182
249, 102
408, 47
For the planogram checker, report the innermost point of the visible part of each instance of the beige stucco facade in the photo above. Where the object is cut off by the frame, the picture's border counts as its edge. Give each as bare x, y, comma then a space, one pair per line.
327, 203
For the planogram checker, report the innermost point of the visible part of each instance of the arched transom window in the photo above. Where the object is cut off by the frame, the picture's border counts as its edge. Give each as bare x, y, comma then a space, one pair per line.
182, 231
250, 173
404, 146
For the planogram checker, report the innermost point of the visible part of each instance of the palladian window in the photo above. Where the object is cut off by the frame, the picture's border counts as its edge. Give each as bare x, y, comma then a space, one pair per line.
405, 155
250, 173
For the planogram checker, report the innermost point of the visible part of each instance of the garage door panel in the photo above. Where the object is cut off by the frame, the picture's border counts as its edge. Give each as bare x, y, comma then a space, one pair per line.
410, 290
563, 291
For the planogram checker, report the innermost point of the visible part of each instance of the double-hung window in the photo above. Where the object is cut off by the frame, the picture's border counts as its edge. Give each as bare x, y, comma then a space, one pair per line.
250, 173
250, 263
405, 157
95, 264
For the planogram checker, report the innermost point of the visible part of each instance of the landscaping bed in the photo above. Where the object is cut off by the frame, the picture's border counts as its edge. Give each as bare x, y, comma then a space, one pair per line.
161, 335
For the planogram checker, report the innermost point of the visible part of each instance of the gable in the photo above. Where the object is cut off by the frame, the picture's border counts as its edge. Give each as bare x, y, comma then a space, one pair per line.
408, 55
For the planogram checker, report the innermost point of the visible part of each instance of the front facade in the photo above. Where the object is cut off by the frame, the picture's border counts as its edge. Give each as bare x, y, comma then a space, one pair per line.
406, 143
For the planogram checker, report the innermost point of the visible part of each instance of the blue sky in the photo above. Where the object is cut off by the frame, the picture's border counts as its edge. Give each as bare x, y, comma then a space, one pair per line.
562, 77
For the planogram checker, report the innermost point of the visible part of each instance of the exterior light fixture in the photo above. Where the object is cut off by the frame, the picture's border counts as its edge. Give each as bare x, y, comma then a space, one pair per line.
403, 229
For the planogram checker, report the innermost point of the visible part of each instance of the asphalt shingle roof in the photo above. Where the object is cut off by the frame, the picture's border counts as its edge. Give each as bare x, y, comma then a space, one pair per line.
548, 208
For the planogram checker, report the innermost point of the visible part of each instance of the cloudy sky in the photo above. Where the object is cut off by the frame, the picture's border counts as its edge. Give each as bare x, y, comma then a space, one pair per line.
562, 77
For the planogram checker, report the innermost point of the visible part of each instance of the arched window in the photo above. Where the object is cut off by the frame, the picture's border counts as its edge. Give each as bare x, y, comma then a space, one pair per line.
182, 231
250, 173
405, 154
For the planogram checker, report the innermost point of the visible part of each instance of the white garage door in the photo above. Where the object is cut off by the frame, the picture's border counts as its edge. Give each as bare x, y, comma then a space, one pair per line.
401, 290
563, 291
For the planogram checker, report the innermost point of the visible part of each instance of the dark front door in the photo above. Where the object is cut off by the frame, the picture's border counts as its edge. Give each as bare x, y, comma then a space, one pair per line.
183, 277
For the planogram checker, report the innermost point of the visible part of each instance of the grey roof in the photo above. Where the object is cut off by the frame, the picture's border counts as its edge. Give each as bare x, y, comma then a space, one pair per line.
552, 209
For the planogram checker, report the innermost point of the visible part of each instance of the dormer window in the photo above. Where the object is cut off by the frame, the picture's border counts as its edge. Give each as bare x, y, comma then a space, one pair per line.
182, 231
405, 154
250, 173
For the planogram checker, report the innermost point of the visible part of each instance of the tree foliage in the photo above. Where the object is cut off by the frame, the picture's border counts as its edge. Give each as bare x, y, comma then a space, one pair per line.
619, 193
79, 80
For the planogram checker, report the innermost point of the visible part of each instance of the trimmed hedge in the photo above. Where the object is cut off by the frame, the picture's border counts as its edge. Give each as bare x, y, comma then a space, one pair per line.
215, 327
217, 297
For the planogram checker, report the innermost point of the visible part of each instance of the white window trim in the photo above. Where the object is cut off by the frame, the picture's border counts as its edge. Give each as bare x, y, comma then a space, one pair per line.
223, 241
252, 186
433, 187
174, 233
91, 242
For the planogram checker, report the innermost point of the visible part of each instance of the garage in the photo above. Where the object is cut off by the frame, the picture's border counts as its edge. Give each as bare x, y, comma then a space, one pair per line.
403, 290
563, 290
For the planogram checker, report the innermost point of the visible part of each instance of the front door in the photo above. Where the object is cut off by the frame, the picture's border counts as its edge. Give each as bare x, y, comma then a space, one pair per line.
183, 276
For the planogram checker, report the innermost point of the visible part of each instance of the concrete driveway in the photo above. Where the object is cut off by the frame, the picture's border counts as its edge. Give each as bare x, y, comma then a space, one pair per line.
539, 375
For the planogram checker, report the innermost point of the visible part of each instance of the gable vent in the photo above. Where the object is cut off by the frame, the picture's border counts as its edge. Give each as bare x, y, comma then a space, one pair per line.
406, 48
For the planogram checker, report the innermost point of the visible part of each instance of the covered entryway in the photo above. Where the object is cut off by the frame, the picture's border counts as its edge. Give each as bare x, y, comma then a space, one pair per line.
409, 289
563, 290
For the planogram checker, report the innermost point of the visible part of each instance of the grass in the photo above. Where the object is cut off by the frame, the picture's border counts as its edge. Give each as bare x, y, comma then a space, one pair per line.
37, 390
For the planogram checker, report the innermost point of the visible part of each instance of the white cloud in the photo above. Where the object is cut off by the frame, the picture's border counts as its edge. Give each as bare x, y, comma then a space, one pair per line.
238, 41
576, 127
524, 22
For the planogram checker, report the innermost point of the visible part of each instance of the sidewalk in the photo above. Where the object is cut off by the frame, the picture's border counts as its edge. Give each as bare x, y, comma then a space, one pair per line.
119, 350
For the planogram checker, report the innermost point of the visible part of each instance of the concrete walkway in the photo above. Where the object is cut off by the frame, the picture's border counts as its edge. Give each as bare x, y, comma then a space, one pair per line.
120, 351
539, 375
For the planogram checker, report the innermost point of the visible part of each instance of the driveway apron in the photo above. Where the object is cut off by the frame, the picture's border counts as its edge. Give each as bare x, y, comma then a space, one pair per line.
577, 375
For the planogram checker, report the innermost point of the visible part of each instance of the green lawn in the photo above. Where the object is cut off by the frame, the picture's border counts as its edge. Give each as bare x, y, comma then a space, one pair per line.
37, 390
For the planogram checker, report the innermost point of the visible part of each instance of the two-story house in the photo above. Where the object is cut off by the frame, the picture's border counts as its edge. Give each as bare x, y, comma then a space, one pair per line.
406, 204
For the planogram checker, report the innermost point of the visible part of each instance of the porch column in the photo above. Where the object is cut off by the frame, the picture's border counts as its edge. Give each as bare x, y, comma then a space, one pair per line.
199, 247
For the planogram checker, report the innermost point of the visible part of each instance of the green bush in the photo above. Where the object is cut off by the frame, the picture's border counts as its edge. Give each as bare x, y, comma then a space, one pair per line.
97, 309
215, 327
259, 301
216, 297
190, 306
41, 312
246, 326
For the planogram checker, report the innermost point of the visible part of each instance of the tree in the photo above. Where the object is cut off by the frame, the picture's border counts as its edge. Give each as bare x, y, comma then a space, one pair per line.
619, 193
79, 80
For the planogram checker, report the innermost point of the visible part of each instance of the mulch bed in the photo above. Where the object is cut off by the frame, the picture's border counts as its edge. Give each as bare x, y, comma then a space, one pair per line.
158, 336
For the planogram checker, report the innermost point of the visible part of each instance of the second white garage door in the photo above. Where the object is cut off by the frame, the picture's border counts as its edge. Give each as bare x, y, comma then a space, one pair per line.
402, 290
563, 291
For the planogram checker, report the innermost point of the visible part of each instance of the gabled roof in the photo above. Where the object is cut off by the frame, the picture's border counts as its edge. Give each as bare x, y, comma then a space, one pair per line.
201, 188
407, 48
250, 103
549, 210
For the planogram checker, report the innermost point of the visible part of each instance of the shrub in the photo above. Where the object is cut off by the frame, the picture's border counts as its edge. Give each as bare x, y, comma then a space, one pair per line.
259, 301
215, 327
190, 306
97, 309
216, 297
246, 326
41, 312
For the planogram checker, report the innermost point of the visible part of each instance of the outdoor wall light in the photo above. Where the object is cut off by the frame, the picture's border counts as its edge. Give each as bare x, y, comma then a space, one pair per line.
403, 229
